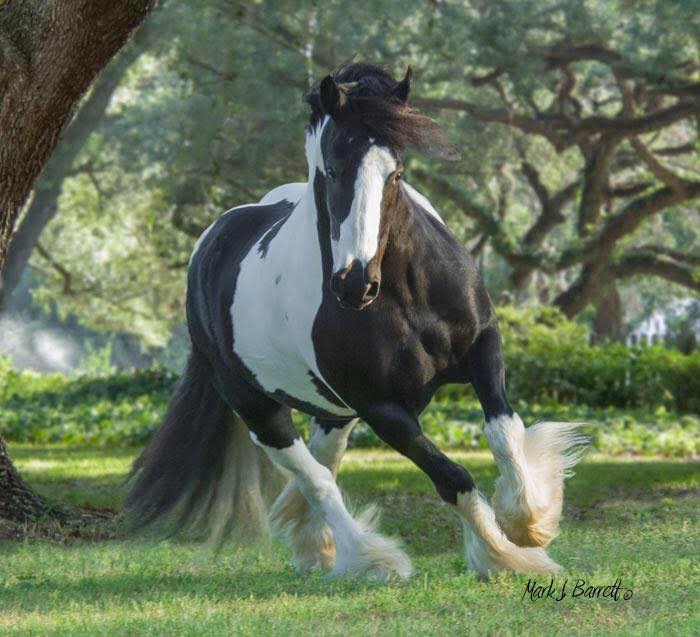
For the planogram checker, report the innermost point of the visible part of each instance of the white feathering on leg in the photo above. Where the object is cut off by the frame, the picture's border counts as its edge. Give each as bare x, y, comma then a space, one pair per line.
533, 463
360, 551
488, 550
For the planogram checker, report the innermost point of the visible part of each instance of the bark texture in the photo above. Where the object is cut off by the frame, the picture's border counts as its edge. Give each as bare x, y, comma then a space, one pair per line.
44, 203
50, 53
18, 503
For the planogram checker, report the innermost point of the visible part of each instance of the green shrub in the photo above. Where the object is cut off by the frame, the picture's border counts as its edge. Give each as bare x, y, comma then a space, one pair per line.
548, 359
458, 424
630, 398
122, 408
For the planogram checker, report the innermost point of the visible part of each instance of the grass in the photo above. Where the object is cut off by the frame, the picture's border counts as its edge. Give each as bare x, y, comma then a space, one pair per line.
624, 518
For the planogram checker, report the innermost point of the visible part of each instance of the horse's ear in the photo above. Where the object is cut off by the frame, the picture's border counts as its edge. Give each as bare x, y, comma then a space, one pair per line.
404, 86
332, 98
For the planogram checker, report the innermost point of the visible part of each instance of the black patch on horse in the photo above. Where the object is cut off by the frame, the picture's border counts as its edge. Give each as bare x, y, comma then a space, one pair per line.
325, 391
264, 243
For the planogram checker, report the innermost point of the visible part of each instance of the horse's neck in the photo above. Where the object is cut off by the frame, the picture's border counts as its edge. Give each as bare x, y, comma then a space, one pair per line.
413, 246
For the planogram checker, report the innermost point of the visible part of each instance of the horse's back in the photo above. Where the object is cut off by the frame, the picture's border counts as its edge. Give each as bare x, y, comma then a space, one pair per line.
291, 192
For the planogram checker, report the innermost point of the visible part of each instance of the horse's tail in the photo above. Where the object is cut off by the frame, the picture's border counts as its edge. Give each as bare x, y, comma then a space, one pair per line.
200, 472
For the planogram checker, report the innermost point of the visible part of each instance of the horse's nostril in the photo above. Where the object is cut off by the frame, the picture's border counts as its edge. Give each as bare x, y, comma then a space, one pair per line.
373, 289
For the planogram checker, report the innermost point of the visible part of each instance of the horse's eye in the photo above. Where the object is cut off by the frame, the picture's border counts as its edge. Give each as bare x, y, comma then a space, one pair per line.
330, 173
398, 176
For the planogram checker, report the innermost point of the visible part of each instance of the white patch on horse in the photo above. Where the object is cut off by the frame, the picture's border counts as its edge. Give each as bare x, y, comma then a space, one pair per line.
312, 148
359, 232
293, 517
272, 323
359, 549
291, 192
421, 200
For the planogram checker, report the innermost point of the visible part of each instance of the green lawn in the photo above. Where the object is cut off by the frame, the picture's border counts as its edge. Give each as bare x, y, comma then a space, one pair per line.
624, 518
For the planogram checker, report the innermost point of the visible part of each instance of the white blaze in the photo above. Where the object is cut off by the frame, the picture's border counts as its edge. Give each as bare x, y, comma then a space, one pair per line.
359, 232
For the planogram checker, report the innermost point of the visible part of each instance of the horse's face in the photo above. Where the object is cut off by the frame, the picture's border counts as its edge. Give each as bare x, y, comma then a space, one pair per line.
360, 173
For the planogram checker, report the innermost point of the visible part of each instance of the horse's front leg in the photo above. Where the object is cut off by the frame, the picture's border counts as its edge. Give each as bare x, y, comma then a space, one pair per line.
533, 462
488, 549
304, 527
359, 550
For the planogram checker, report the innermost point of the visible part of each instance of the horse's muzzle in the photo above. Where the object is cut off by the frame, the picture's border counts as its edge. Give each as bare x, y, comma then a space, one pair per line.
354, 287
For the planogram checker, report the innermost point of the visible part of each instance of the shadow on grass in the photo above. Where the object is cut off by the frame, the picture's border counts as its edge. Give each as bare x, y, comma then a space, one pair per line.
604, 496
217, 584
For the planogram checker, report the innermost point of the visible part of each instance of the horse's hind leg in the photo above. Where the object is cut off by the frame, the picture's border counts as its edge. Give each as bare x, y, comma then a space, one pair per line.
359, 551
307, 532
533, 462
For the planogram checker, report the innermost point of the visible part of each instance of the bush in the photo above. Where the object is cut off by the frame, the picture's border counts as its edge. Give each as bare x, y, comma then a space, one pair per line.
631, 398
122, 408
458, 424
548, 359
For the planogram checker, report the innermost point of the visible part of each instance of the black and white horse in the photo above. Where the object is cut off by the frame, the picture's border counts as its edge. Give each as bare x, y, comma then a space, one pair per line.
345, 297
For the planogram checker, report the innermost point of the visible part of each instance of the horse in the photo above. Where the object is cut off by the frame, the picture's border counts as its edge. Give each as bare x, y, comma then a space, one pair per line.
345, 297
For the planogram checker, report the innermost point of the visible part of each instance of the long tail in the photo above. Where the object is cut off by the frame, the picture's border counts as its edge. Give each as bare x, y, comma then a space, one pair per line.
200, 473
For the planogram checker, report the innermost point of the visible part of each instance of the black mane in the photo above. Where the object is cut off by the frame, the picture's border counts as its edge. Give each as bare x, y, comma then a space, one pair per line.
370, 99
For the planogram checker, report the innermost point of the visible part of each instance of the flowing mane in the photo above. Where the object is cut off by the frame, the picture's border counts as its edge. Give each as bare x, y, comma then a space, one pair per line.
370, 98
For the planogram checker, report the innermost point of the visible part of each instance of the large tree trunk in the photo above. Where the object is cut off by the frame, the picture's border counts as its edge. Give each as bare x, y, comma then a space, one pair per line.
609, 315
18, 503
50, 53
48, 189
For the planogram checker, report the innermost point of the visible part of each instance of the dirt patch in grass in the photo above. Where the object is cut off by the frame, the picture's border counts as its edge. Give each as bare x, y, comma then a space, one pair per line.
85, 523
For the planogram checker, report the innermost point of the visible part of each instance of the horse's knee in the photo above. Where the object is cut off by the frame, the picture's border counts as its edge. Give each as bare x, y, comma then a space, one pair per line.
450, 479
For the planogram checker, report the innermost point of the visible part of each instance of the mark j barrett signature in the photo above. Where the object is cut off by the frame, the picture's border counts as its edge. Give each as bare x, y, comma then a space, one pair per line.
580, 588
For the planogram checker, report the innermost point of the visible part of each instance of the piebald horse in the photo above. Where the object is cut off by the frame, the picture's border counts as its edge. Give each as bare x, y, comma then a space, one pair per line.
345, 297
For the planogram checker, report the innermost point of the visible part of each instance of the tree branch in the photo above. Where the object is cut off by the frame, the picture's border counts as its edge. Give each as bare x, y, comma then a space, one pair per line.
65, 275
623, 223
657, 263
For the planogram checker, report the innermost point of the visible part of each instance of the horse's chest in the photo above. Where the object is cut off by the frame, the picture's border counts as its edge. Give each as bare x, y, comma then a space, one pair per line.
272, 315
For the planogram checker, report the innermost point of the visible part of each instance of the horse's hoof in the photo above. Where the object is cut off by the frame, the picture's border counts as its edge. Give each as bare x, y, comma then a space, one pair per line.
377, 558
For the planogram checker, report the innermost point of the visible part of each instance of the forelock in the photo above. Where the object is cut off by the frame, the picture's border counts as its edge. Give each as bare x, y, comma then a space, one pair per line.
371, 103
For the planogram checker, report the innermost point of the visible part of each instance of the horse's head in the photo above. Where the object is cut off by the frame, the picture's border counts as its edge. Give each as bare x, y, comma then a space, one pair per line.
360, 125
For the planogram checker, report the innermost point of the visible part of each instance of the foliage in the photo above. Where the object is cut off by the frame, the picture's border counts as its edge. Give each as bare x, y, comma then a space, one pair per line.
627, 519
210, 116
126, 408
548, 359
122, 408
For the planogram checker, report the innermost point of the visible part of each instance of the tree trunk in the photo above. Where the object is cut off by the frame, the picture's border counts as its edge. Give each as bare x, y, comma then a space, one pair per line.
607, 324
18, 503
50, 53
44, 203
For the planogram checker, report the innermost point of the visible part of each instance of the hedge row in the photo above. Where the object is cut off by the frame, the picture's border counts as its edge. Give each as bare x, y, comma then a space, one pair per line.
548, 359
125, 409
633, 396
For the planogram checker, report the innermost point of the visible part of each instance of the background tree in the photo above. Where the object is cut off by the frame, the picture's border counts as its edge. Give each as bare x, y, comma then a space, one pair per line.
619, 118
577, 126
42, 78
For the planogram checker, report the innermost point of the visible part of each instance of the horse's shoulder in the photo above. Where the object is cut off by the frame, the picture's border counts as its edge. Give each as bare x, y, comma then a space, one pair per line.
452, 284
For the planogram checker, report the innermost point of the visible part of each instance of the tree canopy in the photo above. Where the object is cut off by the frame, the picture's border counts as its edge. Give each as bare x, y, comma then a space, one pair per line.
577, 125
